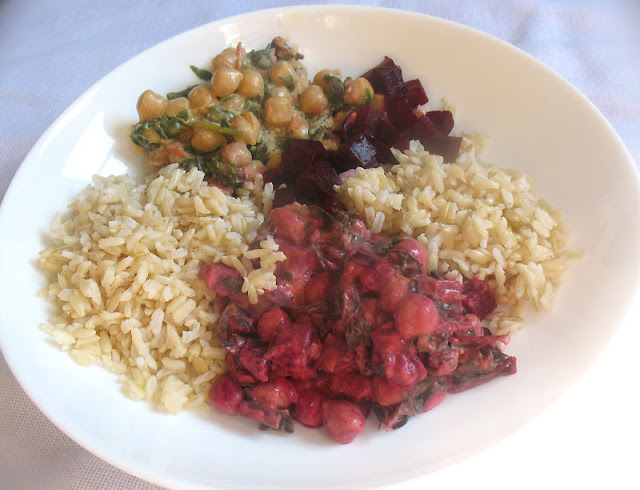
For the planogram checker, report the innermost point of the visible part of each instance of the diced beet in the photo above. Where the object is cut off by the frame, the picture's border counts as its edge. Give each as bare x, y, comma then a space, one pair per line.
293, 351
298, 155
358, 151
318, 287
221, 279
268, 417
383, 154
387, 393
343, 420
386, 78
414, 93
387, 61
386, 132
343, 130
479, 298
225, 394
442, 120
446, 146
284, 196
420, 130
331, 204
317, 181
409, 370
366, 121
238, 320
401, 114
336, 355
353, 386
237, 371
251, 357
275, 176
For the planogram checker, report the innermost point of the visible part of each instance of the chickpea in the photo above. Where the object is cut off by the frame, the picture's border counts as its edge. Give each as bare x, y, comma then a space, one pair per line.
249, 123
358, 92
299, 68
254, 168
279, 92
234, 103
236, 153
205, 140
228, 58
150, 105
278, 111
225, 81
298, 128
201, 97
300, 85
319, 78
313, 100
252, 84
282, 73
176, 106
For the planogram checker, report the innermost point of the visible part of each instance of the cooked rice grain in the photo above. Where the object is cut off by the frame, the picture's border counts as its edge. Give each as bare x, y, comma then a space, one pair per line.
124, 273
475, 219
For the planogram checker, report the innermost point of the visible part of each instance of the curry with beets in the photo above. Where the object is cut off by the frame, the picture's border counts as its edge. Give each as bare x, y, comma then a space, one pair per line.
355, 325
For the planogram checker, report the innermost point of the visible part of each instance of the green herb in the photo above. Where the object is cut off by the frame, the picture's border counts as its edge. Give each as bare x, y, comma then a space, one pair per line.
201, 73
166, 127
217, 113
261, 58
267, 147
218, 171
182, 93
253, 106
218, 128
289, 83
318, 128
367, 98
334, 90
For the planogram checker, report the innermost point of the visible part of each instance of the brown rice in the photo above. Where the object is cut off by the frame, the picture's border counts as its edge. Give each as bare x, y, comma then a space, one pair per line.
475, 219
124, 275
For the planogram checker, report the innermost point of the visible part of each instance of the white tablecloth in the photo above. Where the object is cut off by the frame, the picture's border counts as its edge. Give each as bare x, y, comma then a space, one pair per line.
52, 51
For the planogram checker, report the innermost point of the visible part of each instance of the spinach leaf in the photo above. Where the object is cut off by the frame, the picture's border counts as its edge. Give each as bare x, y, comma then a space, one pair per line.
182, 93
218, 128
218, 171
261, 58
335, 91
201, 73
166, 127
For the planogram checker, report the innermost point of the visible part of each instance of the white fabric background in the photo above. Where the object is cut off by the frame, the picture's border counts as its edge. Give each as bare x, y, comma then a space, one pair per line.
52, 51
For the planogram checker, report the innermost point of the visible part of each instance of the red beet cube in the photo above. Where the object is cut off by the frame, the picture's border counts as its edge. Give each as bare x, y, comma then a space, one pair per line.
401, 114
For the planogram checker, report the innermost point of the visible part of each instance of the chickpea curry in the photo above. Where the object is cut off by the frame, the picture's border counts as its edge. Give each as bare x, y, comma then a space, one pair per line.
235, 123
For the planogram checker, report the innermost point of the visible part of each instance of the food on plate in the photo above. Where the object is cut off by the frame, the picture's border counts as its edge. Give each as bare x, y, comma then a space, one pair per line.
236, 123
476, 221
304, 249
355, 324
124, 265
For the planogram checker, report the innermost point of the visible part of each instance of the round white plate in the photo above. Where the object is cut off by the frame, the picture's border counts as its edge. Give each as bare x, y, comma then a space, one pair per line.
538, 124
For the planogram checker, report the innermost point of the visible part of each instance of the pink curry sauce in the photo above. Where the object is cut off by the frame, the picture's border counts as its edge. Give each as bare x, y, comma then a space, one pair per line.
355, 325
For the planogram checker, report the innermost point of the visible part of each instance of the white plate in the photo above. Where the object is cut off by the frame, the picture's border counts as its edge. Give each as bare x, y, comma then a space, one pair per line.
538, 124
